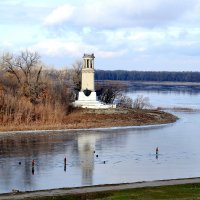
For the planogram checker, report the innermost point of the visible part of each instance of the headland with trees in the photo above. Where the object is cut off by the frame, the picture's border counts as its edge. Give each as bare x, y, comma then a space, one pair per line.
33, 96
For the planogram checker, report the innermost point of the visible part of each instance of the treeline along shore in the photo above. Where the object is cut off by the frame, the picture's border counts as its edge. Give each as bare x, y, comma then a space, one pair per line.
124, 75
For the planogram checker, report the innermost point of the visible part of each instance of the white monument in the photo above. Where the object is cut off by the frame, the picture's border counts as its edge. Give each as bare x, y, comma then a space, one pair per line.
87, 97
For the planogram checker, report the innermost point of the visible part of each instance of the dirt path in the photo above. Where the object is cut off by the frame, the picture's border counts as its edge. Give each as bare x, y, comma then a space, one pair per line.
100, 188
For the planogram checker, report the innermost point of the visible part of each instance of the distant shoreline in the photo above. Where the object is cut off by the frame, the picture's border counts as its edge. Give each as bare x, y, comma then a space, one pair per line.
153, 86
171, 83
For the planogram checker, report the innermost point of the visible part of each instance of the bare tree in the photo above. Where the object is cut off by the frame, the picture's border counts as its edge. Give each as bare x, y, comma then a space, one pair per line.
127, 102
60, 91
26, 68
76, 76
124, 101
108, 95
141, 102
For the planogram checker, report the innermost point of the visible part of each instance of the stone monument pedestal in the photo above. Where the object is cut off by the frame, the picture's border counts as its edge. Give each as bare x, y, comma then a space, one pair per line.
90, 102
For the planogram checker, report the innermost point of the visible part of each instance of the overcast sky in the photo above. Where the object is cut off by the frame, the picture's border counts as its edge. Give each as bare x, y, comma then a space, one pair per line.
151, 35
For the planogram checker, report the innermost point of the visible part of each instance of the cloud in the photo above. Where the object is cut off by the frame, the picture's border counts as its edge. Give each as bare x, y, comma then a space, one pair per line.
113, 44
110, 54
56, 47
59, 15
59, 48
119, 31
128, 28
22, 12
121, 13
7, 44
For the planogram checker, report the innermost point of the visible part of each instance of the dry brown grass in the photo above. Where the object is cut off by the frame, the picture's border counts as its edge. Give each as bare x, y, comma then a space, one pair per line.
87, 118
21, 111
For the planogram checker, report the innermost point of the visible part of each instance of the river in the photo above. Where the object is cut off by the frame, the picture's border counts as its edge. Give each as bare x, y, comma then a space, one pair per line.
105, 156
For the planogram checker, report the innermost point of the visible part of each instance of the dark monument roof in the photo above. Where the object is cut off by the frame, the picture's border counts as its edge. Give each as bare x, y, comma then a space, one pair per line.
88, 55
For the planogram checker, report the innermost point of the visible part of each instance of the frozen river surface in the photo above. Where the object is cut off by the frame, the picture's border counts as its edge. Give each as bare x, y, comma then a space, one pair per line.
104, 156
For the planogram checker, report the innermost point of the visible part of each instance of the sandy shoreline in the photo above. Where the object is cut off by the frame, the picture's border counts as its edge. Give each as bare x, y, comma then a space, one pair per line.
97, 188
5, 133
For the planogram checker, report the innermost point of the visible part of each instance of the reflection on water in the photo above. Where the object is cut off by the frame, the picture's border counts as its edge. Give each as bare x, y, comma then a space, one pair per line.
86, 147
36, 161
69, 159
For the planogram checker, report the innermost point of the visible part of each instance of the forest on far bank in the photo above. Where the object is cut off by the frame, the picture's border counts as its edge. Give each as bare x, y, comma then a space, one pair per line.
124, 75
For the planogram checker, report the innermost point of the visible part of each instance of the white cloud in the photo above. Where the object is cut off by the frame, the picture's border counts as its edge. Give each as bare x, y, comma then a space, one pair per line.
7, 44
56, 47
109, 54
121, 13
114, 28
121, 31
59, 15
59, 47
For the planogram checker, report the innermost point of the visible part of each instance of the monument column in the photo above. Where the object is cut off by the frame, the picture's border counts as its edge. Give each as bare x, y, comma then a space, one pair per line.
87, 97
88, 73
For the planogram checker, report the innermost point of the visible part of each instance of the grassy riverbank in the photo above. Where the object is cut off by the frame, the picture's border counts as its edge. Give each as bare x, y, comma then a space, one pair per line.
91, 118
186, 192
175, 192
